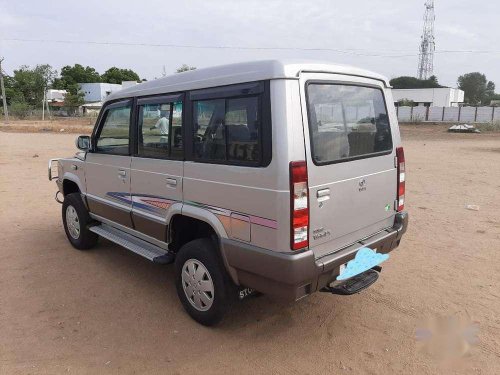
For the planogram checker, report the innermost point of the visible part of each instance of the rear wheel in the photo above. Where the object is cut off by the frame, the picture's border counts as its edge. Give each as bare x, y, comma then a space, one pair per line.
76, 220
202, 283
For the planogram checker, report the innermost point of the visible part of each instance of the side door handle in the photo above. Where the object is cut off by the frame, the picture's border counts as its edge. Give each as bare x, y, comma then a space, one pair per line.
171, 182
122, 173
323, 195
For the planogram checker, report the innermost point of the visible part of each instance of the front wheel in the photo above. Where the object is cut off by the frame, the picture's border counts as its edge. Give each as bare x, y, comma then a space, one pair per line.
202, 283
76, 220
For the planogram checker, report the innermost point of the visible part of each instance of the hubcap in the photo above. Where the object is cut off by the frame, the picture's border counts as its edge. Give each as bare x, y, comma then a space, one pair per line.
197, 284
72, 222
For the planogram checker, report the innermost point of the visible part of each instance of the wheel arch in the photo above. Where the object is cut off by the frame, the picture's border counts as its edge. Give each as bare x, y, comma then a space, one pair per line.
70, 185
201, 224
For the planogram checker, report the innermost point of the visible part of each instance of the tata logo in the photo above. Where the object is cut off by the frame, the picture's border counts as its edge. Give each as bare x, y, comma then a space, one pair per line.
362, 185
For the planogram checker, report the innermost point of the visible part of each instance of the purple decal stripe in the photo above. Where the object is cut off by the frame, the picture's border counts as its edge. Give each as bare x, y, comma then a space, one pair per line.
122, 197
158, 204
257, 220
218, 210
273, 224
147, 202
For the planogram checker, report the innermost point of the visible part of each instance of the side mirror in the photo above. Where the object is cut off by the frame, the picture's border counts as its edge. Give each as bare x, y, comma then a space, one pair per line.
83, 142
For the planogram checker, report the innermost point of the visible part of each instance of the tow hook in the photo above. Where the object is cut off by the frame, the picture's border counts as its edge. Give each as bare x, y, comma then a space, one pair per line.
58, 200
355, 284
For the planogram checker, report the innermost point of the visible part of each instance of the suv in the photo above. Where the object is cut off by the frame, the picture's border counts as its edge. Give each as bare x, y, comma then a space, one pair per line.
279, 177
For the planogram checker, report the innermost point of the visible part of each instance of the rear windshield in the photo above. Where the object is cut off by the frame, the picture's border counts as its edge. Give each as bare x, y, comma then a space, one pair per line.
346, 122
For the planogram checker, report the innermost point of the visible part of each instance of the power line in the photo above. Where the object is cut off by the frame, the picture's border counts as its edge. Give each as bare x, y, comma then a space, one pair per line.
353, 51
349, 51
137, 44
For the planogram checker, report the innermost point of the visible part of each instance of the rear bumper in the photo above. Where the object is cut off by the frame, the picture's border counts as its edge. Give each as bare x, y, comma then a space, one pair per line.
293, 276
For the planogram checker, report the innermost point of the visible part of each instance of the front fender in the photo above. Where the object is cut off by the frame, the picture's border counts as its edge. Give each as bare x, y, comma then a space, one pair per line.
74, 178
74, 171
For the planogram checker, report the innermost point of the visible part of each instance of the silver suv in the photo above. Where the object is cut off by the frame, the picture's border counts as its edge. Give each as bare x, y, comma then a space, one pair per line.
279, 177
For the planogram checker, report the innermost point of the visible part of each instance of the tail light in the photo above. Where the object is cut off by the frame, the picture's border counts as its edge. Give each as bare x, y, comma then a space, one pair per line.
400, 155
299, 205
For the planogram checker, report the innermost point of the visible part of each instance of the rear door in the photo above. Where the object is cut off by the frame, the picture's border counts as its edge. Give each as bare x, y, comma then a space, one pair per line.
350, 159
157, 167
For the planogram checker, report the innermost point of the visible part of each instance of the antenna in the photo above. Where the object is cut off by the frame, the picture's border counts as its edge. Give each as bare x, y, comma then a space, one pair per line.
427, 44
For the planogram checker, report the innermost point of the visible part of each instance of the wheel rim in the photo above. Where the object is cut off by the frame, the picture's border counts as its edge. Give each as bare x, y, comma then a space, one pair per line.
198, 285
72, 222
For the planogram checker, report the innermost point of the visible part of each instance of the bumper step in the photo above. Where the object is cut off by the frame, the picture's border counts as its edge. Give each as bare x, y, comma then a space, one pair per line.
136, 245
355, 284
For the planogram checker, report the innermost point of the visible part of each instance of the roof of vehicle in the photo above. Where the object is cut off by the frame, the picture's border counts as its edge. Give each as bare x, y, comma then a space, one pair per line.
238, 73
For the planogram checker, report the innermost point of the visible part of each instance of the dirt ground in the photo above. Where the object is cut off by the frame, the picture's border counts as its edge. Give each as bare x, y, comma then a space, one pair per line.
75, 125
110, 311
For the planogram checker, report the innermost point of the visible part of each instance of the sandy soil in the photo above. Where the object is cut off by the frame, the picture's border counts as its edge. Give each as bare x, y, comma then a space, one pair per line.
80, 125
109, 311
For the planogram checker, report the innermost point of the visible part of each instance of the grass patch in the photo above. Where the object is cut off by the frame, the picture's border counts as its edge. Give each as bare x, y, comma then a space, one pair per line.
489, 126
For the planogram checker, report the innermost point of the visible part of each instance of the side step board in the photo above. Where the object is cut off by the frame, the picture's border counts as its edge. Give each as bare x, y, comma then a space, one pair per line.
145, 249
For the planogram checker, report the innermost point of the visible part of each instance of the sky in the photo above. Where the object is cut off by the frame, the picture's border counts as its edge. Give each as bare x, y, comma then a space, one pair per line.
379, 35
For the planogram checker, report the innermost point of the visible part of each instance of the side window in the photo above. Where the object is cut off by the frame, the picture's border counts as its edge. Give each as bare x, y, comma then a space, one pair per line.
209, 132
160, 130
227, 130
243, 126
114, 137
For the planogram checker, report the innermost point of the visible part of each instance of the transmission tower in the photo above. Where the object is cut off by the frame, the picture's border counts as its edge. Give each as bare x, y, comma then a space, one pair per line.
427, 45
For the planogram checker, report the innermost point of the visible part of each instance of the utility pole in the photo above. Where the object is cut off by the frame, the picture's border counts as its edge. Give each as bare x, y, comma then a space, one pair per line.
43, 104
48, 108
4, 99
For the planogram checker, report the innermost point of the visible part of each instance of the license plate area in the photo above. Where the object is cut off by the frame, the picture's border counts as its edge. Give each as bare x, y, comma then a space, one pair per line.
364, 260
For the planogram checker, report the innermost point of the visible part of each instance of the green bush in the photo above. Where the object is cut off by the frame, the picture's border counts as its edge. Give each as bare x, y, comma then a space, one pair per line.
20, 109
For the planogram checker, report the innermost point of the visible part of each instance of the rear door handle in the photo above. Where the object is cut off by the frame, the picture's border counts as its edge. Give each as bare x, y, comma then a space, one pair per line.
172, 182
323, 194
122, 173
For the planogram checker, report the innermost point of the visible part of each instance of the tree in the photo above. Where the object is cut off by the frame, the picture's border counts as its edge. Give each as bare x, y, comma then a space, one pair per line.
73, 99
406, 103
11, 94
29, 84
406, 82
490, 90
117, 75
71, 75
476, 87
433, 81
185, 68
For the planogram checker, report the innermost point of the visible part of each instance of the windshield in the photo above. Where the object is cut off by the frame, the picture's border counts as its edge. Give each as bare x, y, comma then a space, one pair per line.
347, 122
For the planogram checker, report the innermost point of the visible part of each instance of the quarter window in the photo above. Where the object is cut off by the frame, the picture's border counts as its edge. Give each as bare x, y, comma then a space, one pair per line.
114, 136
228, 130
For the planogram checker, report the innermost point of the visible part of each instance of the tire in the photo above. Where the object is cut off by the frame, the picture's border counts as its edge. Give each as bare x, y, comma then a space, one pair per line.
200, 258
76, 220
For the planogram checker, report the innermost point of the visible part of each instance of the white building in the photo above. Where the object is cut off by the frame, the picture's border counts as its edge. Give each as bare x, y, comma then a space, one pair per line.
441, 97
126, 84
97, 92
55, 95
91, 108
